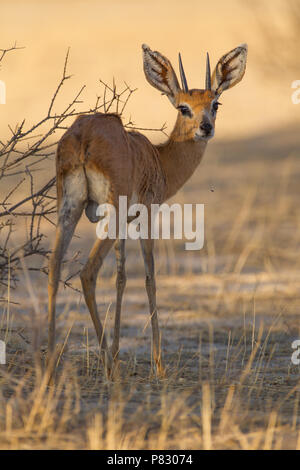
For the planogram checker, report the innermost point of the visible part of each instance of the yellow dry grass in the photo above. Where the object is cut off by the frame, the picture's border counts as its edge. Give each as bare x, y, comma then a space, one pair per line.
228, 313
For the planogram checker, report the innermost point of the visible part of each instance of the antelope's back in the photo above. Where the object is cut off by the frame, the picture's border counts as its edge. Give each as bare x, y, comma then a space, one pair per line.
127, 160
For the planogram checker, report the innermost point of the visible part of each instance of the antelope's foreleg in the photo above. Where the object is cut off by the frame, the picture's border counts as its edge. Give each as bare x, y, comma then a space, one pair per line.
147, 250
120, 286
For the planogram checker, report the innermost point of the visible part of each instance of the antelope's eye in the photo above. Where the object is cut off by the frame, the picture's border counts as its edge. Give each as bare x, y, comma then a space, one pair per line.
185, 110
216, 106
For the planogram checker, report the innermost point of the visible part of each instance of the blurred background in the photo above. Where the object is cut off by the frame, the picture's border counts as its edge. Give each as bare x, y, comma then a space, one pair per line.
105, 40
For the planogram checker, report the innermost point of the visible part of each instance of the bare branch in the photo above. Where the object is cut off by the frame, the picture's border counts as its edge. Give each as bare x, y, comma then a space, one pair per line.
23, 156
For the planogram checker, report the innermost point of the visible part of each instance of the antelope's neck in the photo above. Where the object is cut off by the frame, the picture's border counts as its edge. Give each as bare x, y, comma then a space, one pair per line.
179, 160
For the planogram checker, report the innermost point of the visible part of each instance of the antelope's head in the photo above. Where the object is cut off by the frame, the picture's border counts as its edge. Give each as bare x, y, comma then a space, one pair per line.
197, 108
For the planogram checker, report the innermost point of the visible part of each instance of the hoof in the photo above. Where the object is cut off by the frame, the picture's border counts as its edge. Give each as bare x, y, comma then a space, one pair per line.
113, 367
160, 371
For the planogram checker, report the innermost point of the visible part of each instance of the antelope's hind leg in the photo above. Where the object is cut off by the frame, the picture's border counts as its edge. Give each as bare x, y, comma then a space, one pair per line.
88, 278
69, 211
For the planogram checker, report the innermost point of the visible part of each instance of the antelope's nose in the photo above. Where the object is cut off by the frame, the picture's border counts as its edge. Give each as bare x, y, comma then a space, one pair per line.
206, 127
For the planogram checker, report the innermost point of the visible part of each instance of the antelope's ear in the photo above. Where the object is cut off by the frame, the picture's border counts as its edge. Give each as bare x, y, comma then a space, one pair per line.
160, 74
230, 69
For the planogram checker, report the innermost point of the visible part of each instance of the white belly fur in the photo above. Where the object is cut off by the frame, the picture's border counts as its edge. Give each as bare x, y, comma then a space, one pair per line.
98, 187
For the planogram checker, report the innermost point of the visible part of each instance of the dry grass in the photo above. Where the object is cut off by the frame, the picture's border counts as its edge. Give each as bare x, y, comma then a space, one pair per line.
228, 313
225, 388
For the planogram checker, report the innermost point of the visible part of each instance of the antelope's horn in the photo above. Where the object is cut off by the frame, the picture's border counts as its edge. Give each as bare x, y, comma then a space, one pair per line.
208, 75
185, 87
